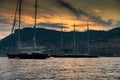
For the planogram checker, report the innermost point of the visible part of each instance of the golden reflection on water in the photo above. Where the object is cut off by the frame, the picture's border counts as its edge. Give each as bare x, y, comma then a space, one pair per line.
60, 69
69, 65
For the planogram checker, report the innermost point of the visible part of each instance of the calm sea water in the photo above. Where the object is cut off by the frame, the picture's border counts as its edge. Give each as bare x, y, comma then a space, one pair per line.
60, 69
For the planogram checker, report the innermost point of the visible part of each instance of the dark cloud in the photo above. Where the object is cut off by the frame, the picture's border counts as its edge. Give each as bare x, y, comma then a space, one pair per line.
69, 7
4, 21
117, 2
98, 20
79, 13
3, 29
52, 25
118, 24
75, 11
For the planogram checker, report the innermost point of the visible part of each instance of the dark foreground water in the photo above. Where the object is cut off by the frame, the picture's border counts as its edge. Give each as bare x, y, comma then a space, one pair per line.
60, 69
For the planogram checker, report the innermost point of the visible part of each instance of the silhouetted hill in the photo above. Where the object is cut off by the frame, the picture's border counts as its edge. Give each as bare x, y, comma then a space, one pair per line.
54, 37
26, 34
100, 39
114, 33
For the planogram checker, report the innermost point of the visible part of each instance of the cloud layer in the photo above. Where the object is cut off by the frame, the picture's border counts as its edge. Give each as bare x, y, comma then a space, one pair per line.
102, 12
53, 25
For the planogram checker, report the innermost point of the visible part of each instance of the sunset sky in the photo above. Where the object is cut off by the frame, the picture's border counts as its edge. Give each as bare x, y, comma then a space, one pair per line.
52, 14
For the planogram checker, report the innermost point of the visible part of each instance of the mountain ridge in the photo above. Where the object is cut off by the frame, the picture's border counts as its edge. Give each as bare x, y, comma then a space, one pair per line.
104, 43
53, 36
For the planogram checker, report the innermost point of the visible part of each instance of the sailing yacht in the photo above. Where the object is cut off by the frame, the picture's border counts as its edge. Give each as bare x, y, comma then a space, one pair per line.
75, 54
33, 52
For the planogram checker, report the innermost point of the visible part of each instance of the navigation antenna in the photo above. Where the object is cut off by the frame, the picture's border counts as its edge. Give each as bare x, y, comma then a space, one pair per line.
14, 21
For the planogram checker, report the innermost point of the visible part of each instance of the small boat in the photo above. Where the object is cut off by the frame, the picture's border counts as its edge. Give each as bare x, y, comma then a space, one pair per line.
75, 54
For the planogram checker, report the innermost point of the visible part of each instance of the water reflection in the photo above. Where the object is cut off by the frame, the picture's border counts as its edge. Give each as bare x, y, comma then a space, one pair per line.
60, 69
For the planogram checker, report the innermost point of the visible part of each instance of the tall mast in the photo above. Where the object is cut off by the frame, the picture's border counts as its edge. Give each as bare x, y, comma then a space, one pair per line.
88, 43
74, 41
61, 37
20, 1
34, 35
14, 21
